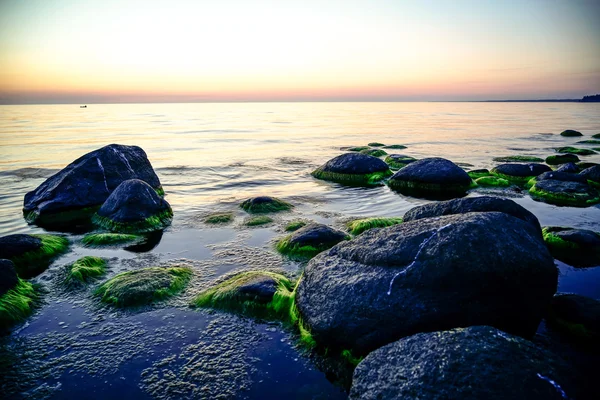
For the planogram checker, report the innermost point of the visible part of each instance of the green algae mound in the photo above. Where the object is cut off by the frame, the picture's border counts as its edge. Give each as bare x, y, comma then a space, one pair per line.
219, 218
375, 144
358, 226
492, 181
479, 173
518, 159
85, 270
265, 204
143, 286
294, 226
395, 147
258, 220
108, 239
18, 303
574, 150
374, 152
398, 161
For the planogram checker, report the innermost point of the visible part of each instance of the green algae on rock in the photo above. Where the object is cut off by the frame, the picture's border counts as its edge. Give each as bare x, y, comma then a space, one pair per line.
144, 286
576, 317
577, 247
353, 169
395, 147
519, 174
564, 193
570, 133
310, 240
258, 220
358, 226
107, 239
478, 173
397, 161
492, 181
18, 303
358, 148
375, 144
85, 270
265, 204
32, 254
518, 159
561, 159
596, 136
219, 218
374, 152
294, 226
574, 150
589, 142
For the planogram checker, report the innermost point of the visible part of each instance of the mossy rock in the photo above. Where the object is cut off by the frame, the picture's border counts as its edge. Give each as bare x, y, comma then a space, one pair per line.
358, 226
586, 164
574, 150
294, 226
570, 133
354, 169
519, 174
358, 149
592, 175
596, 136
561, 159
265, 204
577, 247
576, 317
374, 152
310, 240
478, 173
589, 142
143, 286
219, 218
109, 239
518, 159
376, 144
492, 181
256, 294
557, 176
85, 270
18, 303
395, 147
32, 254
561, 193
398, 161
258, 220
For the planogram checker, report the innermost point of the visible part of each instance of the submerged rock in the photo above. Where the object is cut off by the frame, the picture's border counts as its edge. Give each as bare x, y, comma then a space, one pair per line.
374, 152
570, 133
258, 220
8, 276
431, 177
519, 173
32, 254
565, 193
479, 362
395, 147
577, 317
358, 226
419, 276
569, 168
74, 193
589, 142
473, 204
557, 176
310, 240
143, 286
578, 247
219, 218
561, 159
574, 150
397, 161
376, 144
134, 207
519, 159
265, 204
357, 148
353, 168
294, 226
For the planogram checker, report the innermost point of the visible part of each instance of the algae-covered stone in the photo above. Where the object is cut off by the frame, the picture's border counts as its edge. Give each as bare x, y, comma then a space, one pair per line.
574, 150
576, 317
358, 148
134, 207
478, 173
258, 220
557, 176
570, 133
8, 276
519, 159
108, 239
479, 362
592, 174
144, 286
17, 303
569, 168
374, 152
85, 270
376, 144
358, 226
585, 165
353, 169
294, 226
589, 142
310, 240
561, 159
596, 136
265, 204
519, 173
258, 294
397, 161
219, 218
74, 193
32, 254
418, 276
563, 193
578, 247
431, 177
395, 147
492, 181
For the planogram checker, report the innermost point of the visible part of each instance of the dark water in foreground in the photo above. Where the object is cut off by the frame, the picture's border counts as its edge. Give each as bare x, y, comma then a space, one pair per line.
209, 157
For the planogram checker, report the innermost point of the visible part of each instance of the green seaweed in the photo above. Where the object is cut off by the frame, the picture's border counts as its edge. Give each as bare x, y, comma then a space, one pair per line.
275, 205
18, 303
258, 220
518, 159
589, 142
160, 191
143, 286
561, 159
555, 242
398, 163
219, 218
478, 173
153, 223
374, 152
85, 270
375, 144
294, 226
358, 148
284, 246
574, 150
60, 218
517, 180
350, 358
492, 181
108, 239
358, 226
395, 147
564, 198
371, 179
35, 261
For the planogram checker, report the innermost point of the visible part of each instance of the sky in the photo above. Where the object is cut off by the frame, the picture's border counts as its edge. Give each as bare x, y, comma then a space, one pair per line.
84, 51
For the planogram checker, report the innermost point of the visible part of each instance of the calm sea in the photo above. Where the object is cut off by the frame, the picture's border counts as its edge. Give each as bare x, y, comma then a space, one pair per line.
209, 157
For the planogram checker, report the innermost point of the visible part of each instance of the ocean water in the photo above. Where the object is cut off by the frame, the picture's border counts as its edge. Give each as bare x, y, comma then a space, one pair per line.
209, 157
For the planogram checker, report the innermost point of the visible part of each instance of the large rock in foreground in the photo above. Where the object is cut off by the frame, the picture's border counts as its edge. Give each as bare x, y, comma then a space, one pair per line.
432, 274
76, 191
473, 363
134, 207
353, 169
432, 178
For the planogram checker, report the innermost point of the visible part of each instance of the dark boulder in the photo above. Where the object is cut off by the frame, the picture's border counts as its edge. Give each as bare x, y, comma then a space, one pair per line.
472, 204
264, 204
353, 168
431, 177
592, 174
577, 247
577, 317
310, 240
479, 362
76, 191
561, 176
32, 254
16, 245
569, 168
519, 173
8, 276
565, 193
420, 276
561, 159
574, 150
570, 133
260, 289
134, 207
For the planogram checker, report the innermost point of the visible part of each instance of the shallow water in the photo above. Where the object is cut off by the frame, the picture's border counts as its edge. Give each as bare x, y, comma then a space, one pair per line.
209, 157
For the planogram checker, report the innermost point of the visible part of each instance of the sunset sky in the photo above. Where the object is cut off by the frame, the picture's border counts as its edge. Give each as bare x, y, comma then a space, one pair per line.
83, 51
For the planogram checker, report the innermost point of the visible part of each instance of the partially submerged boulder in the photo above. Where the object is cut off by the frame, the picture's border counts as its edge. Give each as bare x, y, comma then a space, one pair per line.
574, 150
395, 147
134, 207
109, 239
32, 254
265, 204
479, 362
354, 169
569, 168
374, 152
358, 226
431, 177
376, 144
310, 240
219, 218
74, 193
420, 276
519, 173
473, 204
592, 175
577, 247
570, 133
519, 159
565, 193
576, 317
143, 286
8, 276
561, 159
398, 161
557, 176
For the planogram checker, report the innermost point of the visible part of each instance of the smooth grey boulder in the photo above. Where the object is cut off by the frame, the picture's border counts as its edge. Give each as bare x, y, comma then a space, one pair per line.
432, 274
479, 362
8, 276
